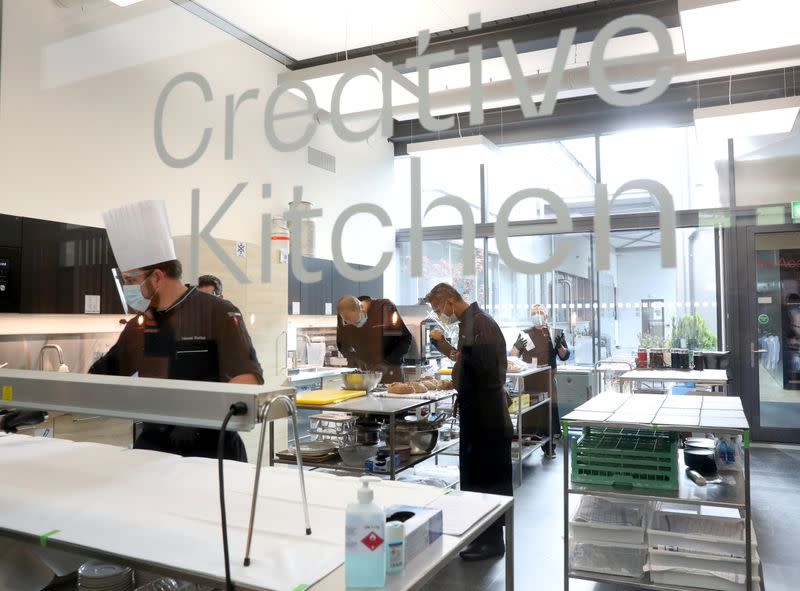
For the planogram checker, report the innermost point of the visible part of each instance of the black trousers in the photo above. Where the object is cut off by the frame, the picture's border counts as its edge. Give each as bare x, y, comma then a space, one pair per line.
189, 442
485, 467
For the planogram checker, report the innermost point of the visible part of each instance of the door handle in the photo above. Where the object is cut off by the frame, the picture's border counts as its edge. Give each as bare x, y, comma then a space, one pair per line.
753, 352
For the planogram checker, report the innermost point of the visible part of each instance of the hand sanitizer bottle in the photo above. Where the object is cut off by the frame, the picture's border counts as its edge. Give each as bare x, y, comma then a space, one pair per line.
365, 545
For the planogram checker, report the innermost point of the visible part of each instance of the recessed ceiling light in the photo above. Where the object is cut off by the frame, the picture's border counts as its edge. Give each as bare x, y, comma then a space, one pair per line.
477, 147
125, 2
716, 28
748, 119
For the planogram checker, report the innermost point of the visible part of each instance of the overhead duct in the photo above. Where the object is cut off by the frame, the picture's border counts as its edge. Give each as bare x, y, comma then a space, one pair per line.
576, 82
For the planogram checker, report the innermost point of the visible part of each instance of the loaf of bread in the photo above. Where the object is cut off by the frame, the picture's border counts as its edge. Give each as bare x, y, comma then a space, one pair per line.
446, 385
400, 388
430, 383
419, 387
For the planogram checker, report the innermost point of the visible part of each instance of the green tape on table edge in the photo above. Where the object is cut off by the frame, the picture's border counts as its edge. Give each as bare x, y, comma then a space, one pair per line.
43, 537
302, 587
746, 439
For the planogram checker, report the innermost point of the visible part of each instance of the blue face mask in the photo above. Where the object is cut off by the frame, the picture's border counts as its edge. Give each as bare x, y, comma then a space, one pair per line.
134, 298
361, 321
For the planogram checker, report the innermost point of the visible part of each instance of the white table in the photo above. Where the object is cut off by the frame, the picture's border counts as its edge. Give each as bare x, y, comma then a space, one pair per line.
708, 414
707, 377
160, 513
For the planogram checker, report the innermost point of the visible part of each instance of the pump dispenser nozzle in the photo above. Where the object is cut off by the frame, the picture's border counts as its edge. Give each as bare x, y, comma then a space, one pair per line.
365, 493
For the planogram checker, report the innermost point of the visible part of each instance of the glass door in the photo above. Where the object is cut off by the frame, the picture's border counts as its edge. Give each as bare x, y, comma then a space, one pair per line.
772, 354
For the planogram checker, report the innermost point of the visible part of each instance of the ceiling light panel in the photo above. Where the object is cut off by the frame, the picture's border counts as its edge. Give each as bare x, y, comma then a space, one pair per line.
716, 28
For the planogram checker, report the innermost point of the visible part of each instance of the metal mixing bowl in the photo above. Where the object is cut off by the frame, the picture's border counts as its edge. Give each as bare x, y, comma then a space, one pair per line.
421, 442
362, 380
354, 455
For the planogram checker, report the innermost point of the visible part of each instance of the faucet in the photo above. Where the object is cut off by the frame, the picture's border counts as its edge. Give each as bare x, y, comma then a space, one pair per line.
60, 352
281, 363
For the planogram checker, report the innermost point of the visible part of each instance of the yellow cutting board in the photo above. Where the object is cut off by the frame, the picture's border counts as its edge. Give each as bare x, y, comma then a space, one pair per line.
321, 397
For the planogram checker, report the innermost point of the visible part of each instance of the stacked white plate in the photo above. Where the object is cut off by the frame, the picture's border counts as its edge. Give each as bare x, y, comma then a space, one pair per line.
99, 576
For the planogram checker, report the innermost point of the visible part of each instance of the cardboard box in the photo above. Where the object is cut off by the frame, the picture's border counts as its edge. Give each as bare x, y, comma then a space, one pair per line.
422, 529
525, 399
369, 465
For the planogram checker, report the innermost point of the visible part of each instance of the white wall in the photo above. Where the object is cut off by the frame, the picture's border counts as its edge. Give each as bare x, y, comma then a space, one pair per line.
73, 150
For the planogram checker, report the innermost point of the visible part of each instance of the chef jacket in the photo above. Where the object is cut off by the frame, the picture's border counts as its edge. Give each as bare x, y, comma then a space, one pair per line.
479, 373
380, 344
200, 337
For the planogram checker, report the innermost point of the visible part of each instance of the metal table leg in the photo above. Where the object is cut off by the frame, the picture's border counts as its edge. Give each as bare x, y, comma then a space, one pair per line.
747, 514
565, 443
509, 515
264, 416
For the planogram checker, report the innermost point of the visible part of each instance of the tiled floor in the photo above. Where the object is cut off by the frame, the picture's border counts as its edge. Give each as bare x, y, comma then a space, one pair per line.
538, 517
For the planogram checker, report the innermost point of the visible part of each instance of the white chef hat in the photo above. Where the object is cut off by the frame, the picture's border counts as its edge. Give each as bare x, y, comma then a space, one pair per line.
139, 234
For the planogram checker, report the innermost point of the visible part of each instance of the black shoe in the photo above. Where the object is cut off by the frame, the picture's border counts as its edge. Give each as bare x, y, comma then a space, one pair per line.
482, 551
549, 454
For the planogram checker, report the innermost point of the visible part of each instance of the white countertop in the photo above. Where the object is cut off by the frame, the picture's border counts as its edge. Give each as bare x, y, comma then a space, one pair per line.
151, 508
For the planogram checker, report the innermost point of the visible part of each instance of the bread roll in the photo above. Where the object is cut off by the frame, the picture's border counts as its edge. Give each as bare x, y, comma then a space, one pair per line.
400, 388
446, 385
419, 387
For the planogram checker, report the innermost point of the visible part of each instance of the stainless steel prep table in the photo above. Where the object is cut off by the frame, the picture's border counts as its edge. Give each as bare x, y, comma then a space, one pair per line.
373, 405
519, 380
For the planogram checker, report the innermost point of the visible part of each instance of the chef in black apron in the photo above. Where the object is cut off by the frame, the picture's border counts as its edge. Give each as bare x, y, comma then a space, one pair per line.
372, 336
546, 345
479, 376
179, 332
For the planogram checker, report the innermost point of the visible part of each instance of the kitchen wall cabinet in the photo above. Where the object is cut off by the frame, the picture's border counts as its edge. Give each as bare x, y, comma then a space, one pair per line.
317, 299
63, 263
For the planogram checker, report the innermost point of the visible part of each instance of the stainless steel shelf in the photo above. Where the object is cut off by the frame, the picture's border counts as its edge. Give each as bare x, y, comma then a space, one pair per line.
717, 495
338, 465
629, 581
527, 450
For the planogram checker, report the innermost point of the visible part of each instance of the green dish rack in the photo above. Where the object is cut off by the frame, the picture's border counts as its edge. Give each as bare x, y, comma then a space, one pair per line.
626, 457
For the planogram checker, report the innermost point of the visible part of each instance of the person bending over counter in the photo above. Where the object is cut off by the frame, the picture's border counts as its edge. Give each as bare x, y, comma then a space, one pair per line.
372, 336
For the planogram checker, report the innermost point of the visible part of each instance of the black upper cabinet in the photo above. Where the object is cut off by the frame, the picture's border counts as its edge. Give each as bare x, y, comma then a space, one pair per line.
63, 263
10, 231
316, 299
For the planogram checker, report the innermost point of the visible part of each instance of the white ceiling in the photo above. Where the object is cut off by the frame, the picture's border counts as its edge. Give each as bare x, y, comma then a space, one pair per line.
303, 29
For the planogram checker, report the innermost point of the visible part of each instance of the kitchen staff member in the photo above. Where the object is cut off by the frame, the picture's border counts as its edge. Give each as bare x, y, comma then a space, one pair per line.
479, 375
179, 332
372, 336
546, 346
210, 284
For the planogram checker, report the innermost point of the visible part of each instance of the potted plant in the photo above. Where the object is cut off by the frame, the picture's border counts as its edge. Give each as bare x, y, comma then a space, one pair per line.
691, 332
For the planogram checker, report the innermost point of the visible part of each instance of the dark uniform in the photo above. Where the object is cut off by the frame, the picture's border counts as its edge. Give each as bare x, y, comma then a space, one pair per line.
380, 344
546, 352
200, 337
479, 376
